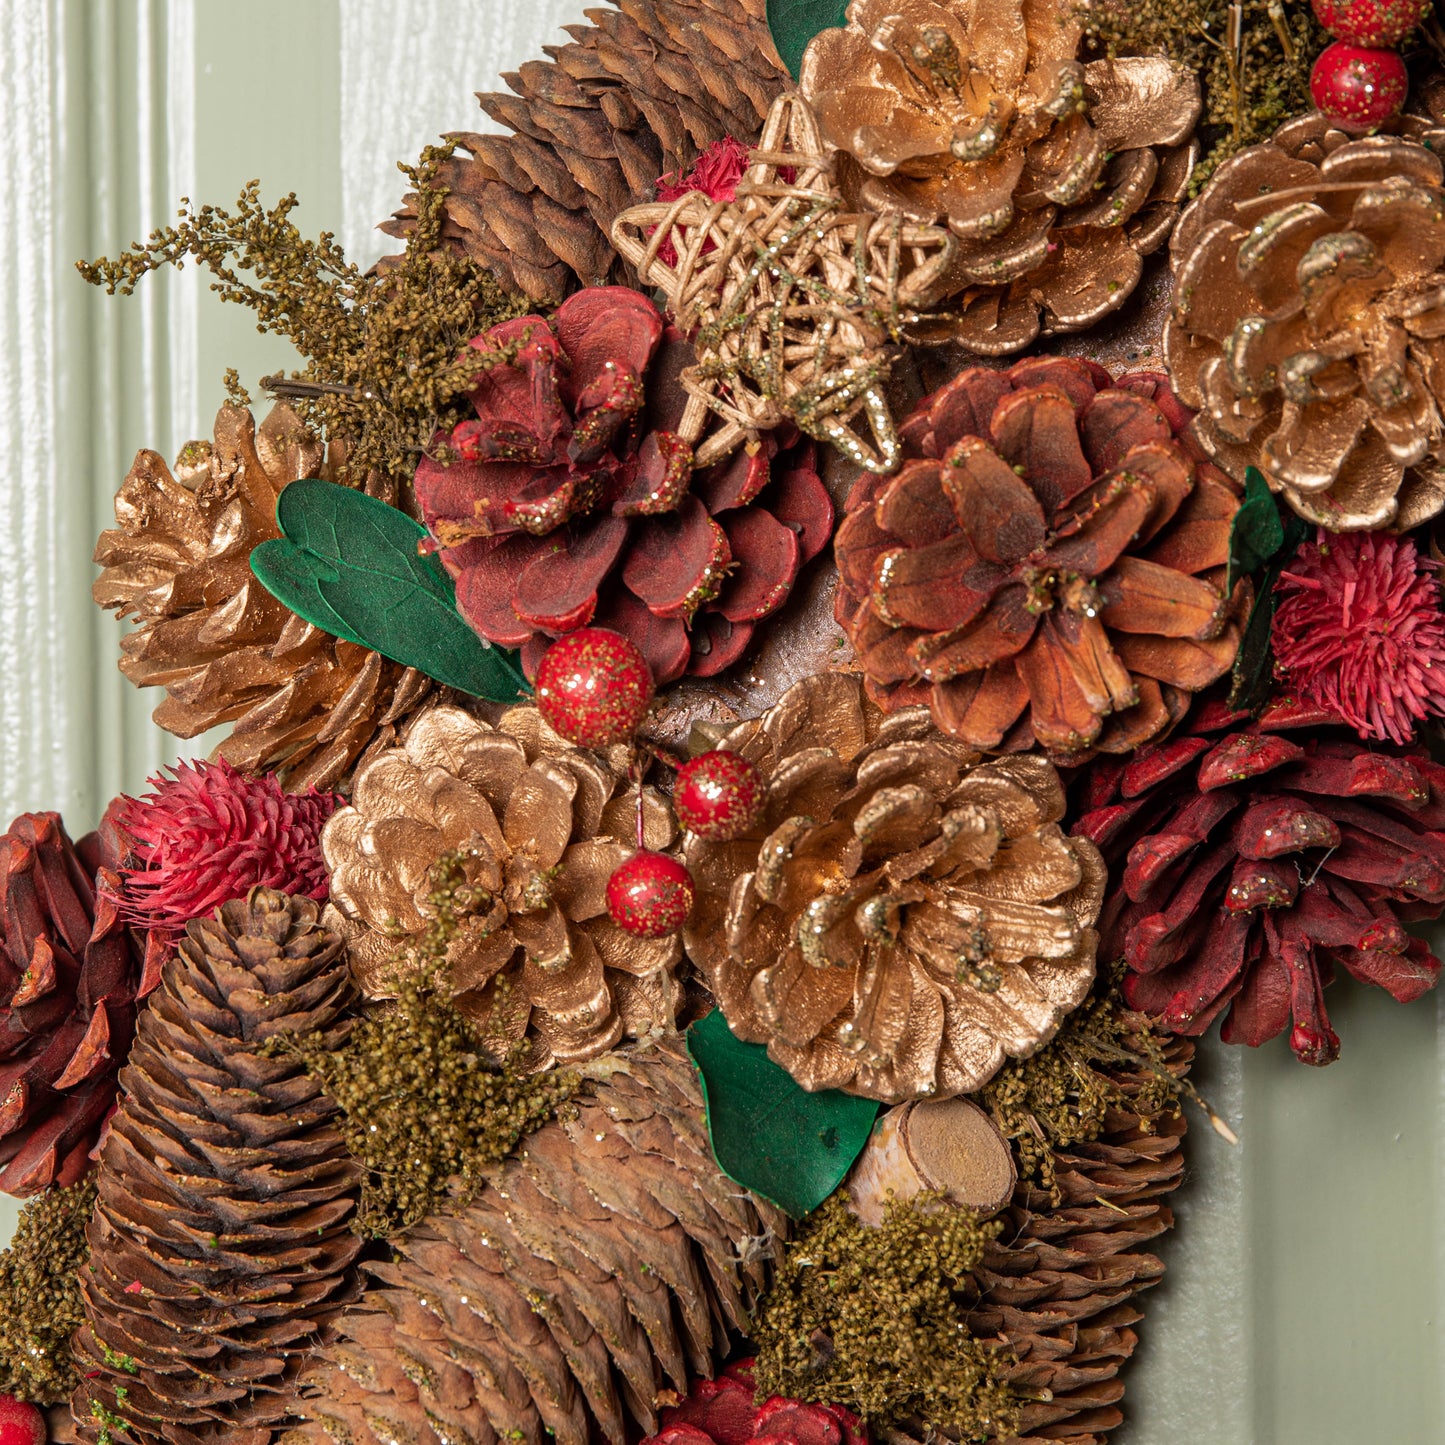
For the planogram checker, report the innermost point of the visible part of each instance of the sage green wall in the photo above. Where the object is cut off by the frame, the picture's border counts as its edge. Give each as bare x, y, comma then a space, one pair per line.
1306, 1283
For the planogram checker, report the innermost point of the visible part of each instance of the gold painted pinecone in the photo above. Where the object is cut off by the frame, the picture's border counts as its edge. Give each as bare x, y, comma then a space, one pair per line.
639, 92
1309, 321
541, 826
221, 1245
903, 917
1058, 177
607, 1262
300, 702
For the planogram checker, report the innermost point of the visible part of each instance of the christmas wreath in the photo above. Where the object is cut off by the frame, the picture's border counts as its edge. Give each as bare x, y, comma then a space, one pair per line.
865, 575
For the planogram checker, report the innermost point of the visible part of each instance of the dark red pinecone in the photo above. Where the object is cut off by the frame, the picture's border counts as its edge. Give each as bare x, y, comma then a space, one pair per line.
69, 972
571, 499
1247, 865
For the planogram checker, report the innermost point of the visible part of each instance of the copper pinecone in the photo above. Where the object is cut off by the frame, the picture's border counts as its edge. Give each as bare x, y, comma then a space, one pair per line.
1060, 1281
221, 1243
607, 1263
68, 978
640, 91
301, 702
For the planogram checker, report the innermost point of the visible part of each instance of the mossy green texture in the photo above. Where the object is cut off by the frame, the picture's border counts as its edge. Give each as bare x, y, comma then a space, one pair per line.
388, 366
876, 1320
425, 1108
40, 1294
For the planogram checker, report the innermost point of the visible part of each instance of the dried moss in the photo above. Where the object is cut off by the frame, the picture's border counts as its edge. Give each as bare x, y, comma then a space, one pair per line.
426, 1109
384, 348
1059, 1098
40, 1295
1248, 91
876, 1320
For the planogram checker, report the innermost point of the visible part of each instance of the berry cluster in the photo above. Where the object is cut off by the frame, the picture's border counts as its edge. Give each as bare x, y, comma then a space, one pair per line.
1360, 81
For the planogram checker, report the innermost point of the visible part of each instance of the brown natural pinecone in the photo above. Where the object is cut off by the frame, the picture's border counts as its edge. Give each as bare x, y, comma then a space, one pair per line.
640, 91
69, 972
301, 702
221, 1244
1308, 323
609, 1260
903, 916
541, 827
1058, 1285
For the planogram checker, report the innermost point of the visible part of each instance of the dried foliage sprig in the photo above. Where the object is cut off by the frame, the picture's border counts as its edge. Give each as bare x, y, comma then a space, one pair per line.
386, 349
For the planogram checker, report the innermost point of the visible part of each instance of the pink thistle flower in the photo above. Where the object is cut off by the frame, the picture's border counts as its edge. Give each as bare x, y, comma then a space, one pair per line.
208, 834
1360, 632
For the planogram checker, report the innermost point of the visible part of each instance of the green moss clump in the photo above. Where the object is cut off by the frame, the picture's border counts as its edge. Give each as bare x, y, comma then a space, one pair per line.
426, 1109
387, 355
1248, 94
1058, 1097
876, 1320
40, 1295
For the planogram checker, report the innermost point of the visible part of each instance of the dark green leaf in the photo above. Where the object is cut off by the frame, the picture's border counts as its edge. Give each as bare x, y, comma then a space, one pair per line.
1254, 663
769, 1134
795, 22
1257, 533
349, 565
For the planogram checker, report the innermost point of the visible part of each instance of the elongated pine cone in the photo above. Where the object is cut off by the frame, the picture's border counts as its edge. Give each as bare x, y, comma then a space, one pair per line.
541, 826
1058, 177
609, 1261
1249, 865
571, 499
69, 972
1309, 312
1059, 1286
1049, 567
221, 1244
299, 701
903, 917
638, 91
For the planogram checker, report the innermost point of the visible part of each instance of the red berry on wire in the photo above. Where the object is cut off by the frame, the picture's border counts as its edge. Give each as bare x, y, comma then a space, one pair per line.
718, 795
594, 687
21, 1423
1356, 88
1377, 23
650, 895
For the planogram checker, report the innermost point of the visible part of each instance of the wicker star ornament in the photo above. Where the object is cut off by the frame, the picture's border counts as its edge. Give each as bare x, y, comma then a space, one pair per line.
793, 303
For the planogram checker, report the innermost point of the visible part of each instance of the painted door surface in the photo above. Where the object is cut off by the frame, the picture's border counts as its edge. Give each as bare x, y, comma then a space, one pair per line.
1306, 1287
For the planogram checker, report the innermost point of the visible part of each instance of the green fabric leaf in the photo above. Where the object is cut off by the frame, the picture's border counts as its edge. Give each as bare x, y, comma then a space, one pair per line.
795, 22
349, 565
1257, 533
768, 1133
1254, 662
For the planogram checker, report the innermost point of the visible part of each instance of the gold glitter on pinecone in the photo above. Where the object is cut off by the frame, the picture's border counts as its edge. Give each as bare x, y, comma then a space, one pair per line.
300, 702
1309, 321
903, 917
540, 827
1057, 177
792, 302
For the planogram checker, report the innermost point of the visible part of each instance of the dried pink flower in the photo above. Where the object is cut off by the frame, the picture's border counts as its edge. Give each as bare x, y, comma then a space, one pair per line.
1360, 632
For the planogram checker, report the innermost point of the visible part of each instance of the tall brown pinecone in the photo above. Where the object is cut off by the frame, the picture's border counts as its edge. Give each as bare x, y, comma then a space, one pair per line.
221, 1243
640, 91
68, 978
1059, 1284
606, 1263
301, 702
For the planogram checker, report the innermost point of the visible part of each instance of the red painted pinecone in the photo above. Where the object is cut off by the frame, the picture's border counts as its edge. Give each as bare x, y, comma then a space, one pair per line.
723, 1412
1048, 567
69, 972
573, 500
1249, 865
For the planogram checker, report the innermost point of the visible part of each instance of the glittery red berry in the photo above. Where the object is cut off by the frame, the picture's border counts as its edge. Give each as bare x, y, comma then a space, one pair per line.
650, 895
718, 795
20, 1423
594, 687
1370, 22
1358, 89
